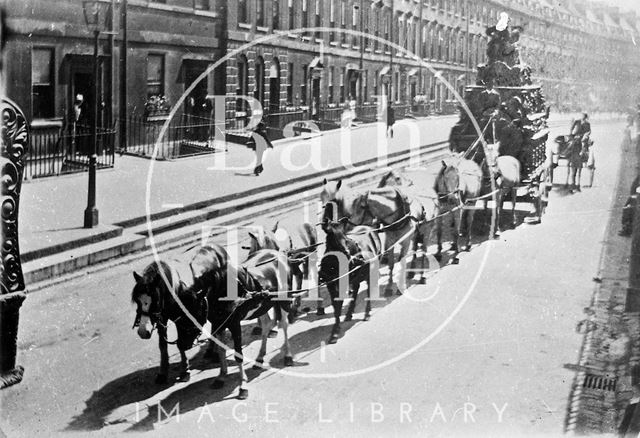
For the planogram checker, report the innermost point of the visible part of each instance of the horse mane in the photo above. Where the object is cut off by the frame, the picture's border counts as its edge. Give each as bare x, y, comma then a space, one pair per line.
149, 276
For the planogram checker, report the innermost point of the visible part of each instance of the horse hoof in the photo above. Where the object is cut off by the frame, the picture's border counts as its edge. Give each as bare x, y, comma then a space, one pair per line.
243, 394
388, 293
467, 248
257, 331
272, 334
366, 318
455, 261
320, 311
218, 384
422, 281
288, 361
348, 317
161, 379
333, 339
184, 377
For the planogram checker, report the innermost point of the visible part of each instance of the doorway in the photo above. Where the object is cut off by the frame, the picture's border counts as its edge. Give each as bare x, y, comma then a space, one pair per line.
197, 109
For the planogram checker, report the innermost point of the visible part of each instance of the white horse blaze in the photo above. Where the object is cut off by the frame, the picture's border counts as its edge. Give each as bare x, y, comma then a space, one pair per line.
144, 328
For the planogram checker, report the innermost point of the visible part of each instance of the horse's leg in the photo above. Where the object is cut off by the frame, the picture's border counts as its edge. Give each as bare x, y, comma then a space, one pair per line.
266, 323
467, 246
162, 376
236, 335
367, 303
184, 367
286, 347
498, 213
514, 198
222, 355
353, 293
337, 312
438, 254
391, 258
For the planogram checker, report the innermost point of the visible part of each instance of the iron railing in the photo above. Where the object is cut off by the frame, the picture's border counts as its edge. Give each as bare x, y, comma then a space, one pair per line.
185, 135
67, 150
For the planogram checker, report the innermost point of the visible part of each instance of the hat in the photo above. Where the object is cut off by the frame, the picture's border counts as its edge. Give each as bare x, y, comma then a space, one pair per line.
503, 22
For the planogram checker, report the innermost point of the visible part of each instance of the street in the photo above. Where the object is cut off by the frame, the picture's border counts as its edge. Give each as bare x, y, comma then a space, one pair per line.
477, 351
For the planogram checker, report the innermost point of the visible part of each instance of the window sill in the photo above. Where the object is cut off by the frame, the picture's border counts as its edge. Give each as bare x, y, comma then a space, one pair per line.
293, 36
244, 25
46, 123
306, 38
262, 29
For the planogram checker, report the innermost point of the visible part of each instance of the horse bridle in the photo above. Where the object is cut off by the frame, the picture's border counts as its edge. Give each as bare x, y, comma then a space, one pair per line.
154, 317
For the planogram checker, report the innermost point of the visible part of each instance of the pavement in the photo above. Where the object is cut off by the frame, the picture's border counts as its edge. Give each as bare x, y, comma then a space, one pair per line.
140, 196
480, 350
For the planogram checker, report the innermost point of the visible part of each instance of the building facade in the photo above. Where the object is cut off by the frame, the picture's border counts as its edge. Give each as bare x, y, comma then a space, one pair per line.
584, 53
50, 58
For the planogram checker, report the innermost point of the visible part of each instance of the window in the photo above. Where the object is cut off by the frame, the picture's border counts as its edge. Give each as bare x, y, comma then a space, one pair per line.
201, 4
155, 75
291, 16
259, 78
303, 86
275, 21
260, 15
290, 85
331, 96
42, 83
243, 82
305, 14
332, 19
342, 74
243, 13
343, 20
318, 21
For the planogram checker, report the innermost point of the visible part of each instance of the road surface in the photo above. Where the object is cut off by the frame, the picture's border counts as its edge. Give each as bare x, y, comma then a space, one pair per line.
478, 351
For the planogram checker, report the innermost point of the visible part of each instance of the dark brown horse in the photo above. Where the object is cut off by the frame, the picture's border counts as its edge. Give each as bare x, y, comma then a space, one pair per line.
160, 290
387, 208
424, 207
347, 262
256, 283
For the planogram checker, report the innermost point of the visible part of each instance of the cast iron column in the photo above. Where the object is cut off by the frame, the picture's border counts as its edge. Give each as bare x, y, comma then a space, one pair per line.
91, 212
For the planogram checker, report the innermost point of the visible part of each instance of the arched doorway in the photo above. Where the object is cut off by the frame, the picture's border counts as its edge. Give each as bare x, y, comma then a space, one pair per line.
274, 86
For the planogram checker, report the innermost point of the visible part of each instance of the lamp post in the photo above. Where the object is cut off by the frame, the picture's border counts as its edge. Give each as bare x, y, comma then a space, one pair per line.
94, 12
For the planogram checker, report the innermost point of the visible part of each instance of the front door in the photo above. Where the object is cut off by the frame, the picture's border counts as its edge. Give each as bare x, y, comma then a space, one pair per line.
197, 108
315, 98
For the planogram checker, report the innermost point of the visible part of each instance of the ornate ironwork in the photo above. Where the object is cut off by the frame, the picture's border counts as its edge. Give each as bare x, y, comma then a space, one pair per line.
14, 140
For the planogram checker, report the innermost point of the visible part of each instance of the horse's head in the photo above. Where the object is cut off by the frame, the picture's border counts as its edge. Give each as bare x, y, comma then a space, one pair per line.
261, 239
493, 151
447, 183
147, 297
332, 198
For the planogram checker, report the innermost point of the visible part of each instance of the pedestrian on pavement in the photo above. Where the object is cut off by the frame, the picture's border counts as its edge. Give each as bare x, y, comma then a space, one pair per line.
260, 140
630, 424
391, 119
629, 209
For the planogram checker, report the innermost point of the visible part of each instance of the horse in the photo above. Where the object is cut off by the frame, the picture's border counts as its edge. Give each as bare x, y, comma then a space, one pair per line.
455, 187
505, 170
261, 275
571, 148
387, 207
424, 207
156, 292
359, 249
297, 240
